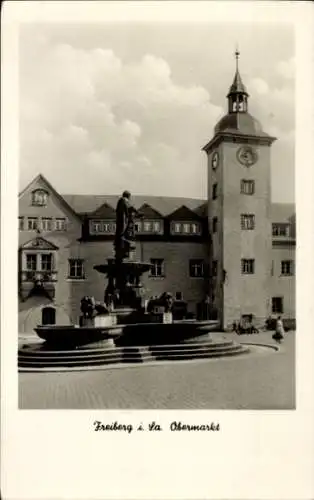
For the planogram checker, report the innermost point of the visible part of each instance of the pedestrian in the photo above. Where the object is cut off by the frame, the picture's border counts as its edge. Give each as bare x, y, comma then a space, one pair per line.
279, 333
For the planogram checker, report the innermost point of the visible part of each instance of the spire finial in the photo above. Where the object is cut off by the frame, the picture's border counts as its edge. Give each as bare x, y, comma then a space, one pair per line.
237, 54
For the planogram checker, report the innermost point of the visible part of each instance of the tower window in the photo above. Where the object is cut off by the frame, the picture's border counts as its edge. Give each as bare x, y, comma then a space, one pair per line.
158, 268
196, 268
247, 187
286, 267
76, 269
247, 221
215, 224
247, 266
215, 188
277, 305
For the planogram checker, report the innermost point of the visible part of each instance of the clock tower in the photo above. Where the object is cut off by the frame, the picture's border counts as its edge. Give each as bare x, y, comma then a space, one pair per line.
239, 199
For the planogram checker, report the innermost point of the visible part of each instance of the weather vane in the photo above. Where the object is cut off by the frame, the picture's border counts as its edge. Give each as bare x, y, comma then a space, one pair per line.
237, 54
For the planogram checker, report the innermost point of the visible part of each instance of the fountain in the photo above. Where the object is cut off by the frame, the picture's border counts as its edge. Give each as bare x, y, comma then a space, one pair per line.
122, 328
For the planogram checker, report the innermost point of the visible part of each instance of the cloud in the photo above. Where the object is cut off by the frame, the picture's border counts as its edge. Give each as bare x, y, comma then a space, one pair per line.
286, 69
89, 109
92, 121
258, 86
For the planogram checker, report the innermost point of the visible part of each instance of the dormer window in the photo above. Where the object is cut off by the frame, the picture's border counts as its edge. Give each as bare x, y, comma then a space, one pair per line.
186, 228
39, 198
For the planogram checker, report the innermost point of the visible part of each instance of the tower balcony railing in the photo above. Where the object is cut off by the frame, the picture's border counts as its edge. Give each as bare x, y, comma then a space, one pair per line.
27, 276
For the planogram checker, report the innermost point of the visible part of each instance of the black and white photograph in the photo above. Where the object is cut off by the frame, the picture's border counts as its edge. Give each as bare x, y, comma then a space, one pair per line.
157, 250
156, 216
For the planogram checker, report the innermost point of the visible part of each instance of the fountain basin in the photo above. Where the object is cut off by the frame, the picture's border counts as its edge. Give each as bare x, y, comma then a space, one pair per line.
127, 334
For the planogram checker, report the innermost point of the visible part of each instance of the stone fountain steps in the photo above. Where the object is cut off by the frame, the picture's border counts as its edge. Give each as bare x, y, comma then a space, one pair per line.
29, 359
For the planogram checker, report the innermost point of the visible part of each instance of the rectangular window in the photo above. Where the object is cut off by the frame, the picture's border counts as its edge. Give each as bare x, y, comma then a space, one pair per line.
214, 268
46, 224
32, 223
158, 268
39, 198
186, 228
46, 262
215, 191
60, 224
156, 227
97, 226
177, 228
215, 224
247, 187
196, 268
147, 227
280, 229
247, 266
277, 305
76, 269
286, 267
21, 223
247, 221
195, 228
31, 262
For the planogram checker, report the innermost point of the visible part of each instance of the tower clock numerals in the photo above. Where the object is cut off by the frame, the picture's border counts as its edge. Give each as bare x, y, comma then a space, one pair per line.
247, 156
215, 160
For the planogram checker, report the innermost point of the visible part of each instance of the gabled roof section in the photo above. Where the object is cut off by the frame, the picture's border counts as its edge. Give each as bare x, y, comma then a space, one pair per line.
183, 213
43, 183
105, 211
86, 204
149, 212
38, 243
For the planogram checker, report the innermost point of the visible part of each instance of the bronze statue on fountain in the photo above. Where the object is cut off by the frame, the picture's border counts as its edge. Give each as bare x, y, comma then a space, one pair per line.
124, 289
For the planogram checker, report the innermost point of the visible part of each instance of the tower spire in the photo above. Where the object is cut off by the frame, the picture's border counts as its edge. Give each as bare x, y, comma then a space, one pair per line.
237, 96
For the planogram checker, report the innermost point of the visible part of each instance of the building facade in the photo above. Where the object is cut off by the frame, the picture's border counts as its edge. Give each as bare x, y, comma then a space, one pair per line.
236, 249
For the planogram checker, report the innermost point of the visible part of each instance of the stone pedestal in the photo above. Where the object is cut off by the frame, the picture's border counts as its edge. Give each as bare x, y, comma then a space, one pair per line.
99, 321
160, 317
105, 320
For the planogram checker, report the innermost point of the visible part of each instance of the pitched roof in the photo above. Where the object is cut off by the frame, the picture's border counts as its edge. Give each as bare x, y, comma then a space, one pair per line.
104, 211
39, 243
237, 86
183, 213
41, 179
149, 212
82, 203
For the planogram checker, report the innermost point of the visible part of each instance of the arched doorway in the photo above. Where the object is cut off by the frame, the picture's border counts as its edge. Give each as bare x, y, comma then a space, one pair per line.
48, 316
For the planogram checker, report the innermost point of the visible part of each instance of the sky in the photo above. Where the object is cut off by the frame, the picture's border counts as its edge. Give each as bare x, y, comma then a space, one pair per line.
113, 106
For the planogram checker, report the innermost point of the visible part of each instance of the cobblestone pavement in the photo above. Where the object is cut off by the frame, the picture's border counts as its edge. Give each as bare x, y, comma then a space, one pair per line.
254, 381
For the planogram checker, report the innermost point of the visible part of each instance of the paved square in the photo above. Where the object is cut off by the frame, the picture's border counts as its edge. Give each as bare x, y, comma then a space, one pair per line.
255, 381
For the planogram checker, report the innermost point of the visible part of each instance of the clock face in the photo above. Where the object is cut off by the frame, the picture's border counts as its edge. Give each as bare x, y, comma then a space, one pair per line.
247, 156
215, 160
